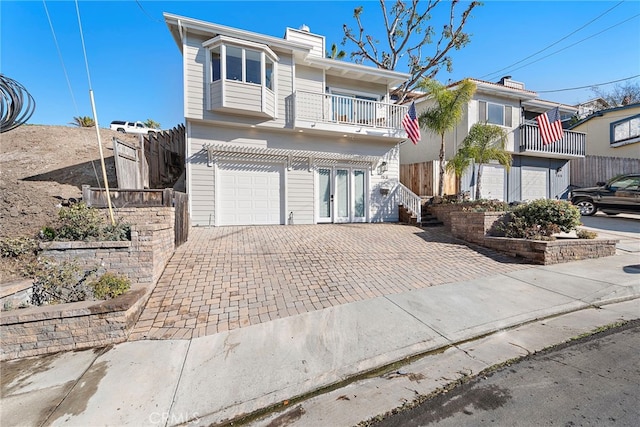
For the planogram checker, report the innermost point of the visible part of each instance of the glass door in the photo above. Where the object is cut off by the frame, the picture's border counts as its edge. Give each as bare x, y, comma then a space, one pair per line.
342, 195
324, 195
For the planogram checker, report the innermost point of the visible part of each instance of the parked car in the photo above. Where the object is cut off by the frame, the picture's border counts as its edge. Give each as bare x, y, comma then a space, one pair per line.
619, 194
132, 127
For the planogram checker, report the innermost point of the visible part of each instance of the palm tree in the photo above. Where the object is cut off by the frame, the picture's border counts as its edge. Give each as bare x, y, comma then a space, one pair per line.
458, 164
335, 53
83, 122
150, 123
485, 142
446, 113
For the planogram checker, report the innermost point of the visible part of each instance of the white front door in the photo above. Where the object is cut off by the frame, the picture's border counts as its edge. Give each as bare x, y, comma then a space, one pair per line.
342, 195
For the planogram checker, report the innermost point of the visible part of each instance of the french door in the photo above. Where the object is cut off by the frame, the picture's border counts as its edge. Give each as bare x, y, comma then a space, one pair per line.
342, 195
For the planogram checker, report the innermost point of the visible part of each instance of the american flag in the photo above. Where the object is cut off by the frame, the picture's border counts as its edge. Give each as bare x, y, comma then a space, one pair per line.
410, 124
550, 126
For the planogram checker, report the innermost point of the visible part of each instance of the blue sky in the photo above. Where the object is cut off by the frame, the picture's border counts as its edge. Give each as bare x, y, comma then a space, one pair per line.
136, 69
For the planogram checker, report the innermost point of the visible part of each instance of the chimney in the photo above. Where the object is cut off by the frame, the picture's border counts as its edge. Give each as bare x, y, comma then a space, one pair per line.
305, 28
507, 82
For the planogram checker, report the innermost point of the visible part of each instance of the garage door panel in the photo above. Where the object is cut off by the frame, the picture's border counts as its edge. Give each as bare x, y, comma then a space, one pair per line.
492, 185
250, 194
534, 183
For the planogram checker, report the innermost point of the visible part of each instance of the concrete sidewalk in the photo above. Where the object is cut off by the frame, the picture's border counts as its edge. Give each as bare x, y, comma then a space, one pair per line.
223, 376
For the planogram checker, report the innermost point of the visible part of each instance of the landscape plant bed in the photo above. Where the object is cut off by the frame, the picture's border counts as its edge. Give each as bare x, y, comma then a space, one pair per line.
61, 327
474, 227
61, 324
552, 251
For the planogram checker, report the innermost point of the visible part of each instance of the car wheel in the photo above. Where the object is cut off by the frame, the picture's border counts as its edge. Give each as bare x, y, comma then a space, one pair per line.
587, 208
120, 130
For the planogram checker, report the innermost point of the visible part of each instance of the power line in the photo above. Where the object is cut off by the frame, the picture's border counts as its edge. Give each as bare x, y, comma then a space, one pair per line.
589, 86
578, 42
66, 75
146, 13
554, 43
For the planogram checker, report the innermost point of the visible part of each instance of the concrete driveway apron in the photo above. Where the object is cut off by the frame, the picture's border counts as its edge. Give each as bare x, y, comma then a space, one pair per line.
230, 277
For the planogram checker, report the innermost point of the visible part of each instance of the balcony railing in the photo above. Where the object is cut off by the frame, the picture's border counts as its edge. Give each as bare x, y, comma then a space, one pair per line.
572, 144
347, 110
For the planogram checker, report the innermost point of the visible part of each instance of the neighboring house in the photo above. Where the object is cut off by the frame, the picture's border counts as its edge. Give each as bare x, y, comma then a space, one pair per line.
278, 134
537, 171
614, 132
591, 106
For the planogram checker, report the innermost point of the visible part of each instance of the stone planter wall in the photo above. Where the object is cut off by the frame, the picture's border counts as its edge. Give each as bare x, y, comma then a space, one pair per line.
443, 212
473, 227
142, 259
40, 330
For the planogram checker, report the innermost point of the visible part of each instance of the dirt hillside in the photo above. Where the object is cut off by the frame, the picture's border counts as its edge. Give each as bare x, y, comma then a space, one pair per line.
40, 166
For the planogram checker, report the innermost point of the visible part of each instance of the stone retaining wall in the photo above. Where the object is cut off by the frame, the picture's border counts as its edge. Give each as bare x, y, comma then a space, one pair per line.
473, 227
40, 330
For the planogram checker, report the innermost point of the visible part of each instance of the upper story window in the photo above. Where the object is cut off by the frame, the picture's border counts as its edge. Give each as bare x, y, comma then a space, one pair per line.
253, 63
626, 130
495, 114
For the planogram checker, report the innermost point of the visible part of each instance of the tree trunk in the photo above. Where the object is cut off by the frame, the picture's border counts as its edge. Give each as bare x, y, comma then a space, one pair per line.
441, 158
478, 181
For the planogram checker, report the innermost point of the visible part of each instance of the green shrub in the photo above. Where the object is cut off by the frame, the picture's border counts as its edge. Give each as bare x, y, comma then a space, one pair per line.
110, 286
586, 234
80, 222
485, 205
56, 283
539, 220
17, 246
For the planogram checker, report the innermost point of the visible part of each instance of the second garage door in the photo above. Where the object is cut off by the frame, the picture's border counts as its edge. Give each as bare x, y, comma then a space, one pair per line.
250, 194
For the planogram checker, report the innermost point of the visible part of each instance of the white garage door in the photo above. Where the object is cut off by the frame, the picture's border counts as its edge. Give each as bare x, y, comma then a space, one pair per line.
534, 183
249, 194
492, 184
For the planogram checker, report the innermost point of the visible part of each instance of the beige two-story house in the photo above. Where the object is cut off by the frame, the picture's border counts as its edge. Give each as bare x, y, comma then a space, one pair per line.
612, 132
277, 133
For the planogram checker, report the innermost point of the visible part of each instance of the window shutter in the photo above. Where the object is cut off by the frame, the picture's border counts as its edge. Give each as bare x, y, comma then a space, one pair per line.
508, 116
482, 110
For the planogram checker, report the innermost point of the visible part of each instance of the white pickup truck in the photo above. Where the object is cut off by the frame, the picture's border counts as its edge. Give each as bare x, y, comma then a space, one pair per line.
132, 127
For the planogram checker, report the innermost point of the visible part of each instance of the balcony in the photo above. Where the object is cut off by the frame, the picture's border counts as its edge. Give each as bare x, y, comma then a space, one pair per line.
572, 144
348, 114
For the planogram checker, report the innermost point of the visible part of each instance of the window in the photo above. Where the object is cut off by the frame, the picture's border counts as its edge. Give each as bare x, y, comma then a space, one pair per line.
253, 67
234, 63
627, 130
215, 64
495, 114
268, 71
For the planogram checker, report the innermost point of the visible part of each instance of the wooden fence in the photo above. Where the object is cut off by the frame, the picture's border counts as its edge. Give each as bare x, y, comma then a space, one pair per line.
131, 166
585, 172
97, 197
423, 178
165, 154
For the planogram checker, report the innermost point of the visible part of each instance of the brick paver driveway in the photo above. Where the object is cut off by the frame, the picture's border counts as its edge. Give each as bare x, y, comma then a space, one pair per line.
230, 277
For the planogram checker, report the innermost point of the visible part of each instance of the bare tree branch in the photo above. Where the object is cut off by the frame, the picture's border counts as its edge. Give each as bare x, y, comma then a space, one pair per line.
403, 22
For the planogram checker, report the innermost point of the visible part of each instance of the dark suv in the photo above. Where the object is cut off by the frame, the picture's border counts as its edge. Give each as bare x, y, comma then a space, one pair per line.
619, 194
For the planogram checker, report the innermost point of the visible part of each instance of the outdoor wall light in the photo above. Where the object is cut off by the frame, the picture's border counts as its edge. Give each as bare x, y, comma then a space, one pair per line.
383, 168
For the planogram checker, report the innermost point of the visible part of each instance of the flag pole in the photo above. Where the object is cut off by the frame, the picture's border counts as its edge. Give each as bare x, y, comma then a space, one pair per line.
104, 169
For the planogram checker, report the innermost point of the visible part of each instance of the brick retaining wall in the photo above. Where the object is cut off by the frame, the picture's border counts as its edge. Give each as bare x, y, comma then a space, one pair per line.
473, 227
46, 329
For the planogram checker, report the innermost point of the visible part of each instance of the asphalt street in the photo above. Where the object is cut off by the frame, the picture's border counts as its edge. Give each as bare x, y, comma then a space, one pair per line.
594, 381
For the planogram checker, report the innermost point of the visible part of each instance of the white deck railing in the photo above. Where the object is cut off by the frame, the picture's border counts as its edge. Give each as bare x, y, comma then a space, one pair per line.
409, 200
329, 108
